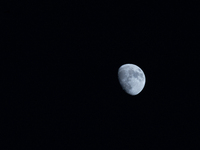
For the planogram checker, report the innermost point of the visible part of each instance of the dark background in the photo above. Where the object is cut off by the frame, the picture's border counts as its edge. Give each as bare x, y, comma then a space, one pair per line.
59, 75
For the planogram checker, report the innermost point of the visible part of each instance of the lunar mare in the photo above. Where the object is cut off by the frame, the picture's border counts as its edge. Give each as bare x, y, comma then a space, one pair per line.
131, 78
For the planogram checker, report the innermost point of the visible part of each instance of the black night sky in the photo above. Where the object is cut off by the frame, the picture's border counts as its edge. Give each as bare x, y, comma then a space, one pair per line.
60, 75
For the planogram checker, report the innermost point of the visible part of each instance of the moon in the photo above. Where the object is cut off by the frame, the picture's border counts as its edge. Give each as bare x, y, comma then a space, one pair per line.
131, 78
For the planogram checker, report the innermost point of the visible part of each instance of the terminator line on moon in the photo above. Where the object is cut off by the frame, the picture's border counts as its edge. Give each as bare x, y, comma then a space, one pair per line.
131, 78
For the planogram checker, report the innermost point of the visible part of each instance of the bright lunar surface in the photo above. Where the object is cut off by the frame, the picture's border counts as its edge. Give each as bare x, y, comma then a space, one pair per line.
131, 78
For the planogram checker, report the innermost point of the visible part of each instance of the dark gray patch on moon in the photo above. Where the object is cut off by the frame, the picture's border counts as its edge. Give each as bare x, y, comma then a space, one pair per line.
136, 74
133, 73
141, 75
122, 74
126, 85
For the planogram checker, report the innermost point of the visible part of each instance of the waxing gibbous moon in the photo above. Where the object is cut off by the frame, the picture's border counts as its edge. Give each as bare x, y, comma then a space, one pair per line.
131, 78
